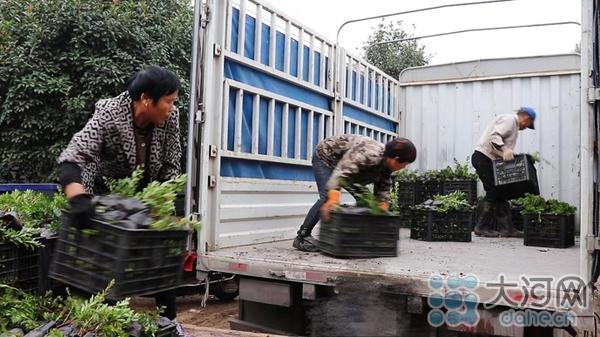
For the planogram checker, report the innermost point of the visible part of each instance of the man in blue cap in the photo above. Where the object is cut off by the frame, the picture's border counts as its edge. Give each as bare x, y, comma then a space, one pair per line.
498, 142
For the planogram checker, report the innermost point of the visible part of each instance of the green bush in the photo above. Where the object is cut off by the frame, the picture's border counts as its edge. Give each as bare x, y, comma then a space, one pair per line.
535, 204
57, 58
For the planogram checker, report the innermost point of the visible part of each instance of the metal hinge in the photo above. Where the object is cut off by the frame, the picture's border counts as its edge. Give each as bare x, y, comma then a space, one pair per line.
195, 216
200, 113
206, 16
212, 181
593, 95
213, 151
592, 243
217, 49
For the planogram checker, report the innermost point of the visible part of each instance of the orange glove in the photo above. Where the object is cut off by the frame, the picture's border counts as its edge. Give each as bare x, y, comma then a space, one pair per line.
384, 206
333, 199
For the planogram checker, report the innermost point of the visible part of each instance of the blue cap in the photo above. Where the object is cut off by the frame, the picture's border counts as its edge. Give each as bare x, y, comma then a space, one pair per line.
530, 112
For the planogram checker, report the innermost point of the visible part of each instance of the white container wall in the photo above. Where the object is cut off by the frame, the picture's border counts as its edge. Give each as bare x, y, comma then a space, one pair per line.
444, 110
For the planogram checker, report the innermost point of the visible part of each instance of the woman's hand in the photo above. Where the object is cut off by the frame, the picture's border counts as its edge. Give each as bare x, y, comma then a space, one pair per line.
325, 212
333, 199
82, 209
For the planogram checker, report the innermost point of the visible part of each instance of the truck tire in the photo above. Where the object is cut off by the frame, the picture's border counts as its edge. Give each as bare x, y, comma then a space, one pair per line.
226, 291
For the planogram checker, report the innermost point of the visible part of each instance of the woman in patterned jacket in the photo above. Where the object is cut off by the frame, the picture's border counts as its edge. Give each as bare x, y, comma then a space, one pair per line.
138, 128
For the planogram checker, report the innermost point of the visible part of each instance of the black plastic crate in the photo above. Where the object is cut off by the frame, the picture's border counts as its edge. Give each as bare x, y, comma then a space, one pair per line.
549, 230
142, 262
46, 283
9, 263
405, 217
429, 225
406, 193
19, 266
27, 268
360, 235
427, 190
509, 172
517, 177
469, 187
28, 274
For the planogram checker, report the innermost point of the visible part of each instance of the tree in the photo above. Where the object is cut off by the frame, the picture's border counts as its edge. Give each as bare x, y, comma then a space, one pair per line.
393, 57
57, 58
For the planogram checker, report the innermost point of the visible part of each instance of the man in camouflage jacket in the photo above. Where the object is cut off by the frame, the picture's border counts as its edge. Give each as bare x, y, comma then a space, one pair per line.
344, 160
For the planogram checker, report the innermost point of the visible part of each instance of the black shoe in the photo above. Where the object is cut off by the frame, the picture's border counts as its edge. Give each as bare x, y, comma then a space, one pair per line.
306, 244
511, 233
486, 232
310, 239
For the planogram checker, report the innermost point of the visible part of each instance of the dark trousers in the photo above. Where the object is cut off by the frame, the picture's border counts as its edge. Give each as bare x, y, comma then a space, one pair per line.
166, 301
484, 168
322, 174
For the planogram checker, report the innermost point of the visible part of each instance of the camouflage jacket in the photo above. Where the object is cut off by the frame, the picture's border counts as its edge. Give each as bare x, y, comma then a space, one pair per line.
356, 159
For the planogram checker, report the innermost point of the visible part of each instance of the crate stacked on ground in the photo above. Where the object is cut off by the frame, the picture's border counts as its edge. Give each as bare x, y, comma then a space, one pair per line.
459, 178
412, 188
19, 266
28, 221
446, 218
429, 185
469, 187
547, 223
404, 195
26, 267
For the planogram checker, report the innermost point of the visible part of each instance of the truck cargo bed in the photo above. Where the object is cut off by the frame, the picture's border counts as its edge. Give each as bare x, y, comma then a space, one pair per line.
486, 258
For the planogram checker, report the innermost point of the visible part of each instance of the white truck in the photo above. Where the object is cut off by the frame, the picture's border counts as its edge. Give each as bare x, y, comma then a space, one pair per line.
265, 90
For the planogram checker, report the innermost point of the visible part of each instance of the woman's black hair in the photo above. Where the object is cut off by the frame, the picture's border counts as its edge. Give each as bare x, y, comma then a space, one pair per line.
154, 81
401, 148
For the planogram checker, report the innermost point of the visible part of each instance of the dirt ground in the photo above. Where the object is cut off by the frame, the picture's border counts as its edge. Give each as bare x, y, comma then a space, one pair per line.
216, 314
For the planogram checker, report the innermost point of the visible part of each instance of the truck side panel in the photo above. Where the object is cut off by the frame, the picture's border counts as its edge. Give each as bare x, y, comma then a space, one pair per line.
270, 97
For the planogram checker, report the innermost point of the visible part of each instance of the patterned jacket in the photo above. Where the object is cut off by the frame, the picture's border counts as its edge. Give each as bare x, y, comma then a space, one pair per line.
356, 159
106, 147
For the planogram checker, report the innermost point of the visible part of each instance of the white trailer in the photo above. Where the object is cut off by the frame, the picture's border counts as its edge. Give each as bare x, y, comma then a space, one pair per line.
266, 90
